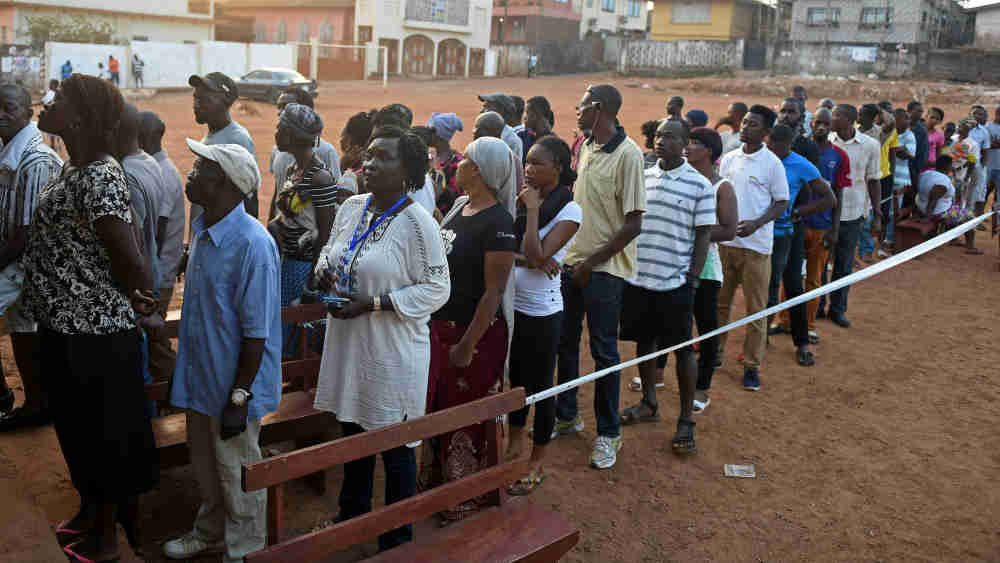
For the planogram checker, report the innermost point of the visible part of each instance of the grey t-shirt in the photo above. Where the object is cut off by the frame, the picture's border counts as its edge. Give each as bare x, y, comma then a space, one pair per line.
232, 134
173, 240
145, 183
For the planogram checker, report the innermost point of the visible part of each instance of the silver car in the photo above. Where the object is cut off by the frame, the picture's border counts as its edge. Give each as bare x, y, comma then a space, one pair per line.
268, 83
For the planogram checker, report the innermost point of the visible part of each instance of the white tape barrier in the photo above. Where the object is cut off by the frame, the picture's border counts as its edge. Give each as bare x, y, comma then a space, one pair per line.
868, 272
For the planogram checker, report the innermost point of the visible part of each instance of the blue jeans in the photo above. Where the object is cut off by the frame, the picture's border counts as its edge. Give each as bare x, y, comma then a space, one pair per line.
866, 242
601, 302
843, 261
358, 486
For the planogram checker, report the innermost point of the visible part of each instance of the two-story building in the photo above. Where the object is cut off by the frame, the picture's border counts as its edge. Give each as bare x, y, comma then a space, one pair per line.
525, 22
898, 24
612, 17
718, 20
162, 20
296, 21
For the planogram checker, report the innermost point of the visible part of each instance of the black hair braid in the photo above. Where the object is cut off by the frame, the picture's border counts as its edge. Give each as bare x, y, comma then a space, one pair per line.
562, 156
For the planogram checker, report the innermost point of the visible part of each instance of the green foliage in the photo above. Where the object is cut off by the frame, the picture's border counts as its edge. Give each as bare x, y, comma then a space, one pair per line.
70, 29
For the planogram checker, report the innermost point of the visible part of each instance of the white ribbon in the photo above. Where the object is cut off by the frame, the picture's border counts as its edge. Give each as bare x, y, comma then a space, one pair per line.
868, 272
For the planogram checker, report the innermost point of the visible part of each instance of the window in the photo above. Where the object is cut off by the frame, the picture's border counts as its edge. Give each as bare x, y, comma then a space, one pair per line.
634, 8
820, 17
481, 18
923, 20
199, 6
259, 75
608, 5
326, 38
691, 12
303, 32
364, 33
282, 31
875, 18
451, 12
140, 38
4, 37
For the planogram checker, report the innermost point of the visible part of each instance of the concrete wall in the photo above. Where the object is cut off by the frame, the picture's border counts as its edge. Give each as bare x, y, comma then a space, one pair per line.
964, 65
126, 26
168, 65
846, 60
554, 57
663, 56
172, 8
988, 28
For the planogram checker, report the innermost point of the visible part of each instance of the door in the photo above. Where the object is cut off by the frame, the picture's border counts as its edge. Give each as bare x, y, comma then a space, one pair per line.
418, 55
477, 62
304, 63
451, 58
393, 49
754, 55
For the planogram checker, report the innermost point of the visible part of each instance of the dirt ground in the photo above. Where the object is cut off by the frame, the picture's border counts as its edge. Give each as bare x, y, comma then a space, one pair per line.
886, 450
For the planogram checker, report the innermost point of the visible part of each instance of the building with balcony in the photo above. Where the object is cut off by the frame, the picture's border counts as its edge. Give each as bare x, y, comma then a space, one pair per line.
526, 22
612, 17
718, 20
427, 37
163, 20
897, 25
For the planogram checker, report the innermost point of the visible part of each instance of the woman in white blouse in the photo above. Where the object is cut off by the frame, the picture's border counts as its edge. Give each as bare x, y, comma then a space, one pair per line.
385, 254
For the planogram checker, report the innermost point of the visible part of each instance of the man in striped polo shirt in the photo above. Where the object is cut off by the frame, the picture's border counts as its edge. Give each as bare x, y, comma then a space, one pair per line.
659, 301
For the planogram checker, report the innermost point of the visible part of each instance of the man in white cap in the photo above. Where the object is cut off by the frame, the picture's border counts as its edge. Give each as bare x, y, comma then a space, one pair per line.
228, 372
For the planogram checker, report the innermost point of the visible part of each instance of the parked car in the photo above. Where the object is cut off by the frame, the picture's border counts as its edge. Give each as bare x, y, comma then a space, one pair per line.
268, 83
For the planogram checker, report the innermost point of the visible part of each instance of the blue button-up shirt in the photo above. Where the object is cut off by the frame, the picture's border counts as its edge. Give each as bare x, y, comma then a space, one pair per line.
231, 292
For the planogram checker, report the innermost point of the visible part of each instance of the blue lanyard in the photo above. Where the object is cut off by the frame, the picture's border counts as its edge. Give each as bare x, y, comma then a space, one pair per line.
356, 238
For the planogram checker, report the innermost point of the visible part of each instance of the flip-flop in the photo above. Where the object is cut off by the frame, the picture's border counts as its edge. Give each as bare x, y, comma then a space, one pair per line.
636, 385
632, 414
526, 485
699, 407
75, 557
61, 529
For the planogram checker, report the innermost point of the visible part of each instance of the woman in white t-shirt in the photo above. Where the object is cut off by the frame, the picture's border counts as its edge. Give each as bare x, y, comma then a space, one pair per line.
547, 221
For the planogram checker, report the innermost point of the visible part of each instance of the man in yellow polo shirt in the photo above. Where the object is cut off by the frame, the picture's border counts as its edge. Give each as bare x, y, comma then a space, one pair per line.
610, 189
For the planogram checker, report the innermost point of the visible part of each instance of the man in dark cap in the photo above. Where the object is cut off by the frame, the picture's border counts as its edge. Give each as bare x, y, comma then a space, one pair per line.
214, 94
504, 105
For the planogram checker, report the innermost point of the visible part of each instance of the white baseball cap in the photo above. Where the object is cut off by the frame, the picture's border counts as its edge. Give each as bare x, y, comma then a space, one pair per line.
237, 162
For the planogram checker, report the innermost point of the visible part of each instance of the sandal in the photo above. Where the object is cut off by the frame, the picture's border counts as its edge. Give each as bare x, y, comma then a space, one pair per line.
634, 415
66, 536
683, 442
75, 557
525, 485
699, 407
776, 329
636, 385
973, 251
805, 358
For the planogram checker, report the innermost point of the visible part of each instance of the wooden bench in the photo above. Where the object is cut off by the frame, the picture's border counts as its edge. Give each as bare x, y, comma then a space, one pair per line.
911, 232
295, 419
504, 532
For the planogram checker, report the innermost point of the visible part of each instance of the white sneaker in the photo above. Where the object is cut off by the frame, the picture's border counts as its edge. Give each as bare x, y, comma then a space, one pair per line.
189, 545
605, 452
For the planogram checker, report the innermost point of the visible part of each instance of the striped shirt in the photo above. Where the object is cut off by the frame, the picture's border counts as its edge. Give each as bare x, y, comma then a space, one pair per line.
297, 204
26, 166
677, 202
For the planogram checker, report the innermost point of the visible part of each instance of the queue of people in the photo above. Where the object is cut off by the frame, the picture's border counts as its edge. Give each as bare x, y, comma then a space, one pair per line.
447, 274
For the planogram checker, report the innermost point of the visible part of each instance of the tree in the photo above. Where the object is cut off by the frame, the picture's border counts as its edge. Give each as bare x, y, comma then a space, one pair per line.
72, 29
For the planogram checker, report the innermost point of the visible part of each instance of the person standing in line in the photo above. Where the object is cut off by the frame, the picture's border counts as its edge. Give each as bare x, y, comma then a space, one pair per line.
538, 119
601, 258
675, 108
799, 93
281, 161
387, 256
658, 302
517, 119
918, 126
27, 166
446, 159
546, 223
138, 66
703, 151
87, 316
823, 229
758, 178
169, 239
214, 94
804, 182
905, 153
859, 198
50, 96
936, 142
504, 105
113, 69
791, 115
977, 196
229, 352
993, 159
733, 119
885, 128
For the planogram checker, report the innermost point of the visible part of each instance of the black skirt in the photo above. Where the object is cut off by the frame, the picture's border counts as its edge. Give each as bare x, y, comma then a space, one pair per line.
98, 403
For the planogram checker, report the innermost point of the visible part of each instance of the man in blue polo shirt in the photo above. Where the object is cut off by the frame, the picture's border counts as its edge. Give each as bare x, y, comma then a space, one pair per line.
228, 372
804, 180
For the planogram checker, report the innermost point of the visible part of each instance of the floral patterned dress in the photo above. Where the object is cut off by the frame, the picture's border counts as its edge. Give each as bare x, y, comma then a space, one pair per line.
449, 167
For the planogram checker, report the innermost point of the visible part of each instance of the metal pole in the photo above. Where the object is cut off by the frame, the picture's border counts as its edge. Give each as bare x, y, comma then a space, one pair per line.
385, 67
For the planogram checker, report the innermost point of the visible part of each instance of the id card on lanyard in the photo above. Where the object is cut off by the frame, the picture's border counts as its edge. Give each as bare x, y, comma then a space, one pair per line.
344, 280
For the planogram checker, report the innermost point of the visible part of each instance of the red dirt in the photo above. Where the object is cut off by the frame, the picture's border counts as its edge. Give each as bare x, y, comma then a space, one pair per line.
886, 450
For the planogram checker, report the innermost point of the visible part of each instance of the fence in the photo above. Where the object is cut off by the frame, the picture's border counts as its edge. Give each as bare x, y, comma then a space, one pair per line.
23, 64
666, 57
168, 65
554, 57
860, 59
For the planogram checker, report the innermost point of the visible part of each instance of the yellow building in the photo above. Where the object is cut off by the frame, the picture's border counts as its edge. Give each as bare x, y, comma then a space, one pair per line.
719, 20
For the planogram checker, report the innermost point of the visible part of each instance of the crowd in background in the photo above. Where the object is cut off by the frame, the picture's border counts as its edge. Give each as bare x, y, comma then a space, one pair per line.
447, 274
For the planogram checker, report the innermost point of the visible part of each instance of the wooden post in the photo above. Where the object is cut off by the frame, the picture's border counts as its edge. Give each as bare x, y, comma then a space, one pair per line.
275, 513
494, 446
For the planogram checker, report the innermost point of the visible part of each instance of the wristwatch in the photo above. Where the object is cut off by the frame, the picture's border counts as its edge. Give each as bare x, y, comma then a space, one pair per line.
240, 397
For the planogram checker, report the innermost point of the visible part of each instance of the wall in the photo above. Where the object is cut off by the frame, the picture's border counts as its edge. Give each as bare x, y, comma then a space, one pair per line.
128, 27
905, 26
169, 65
719, 28
846, 60
608, 21
663, 56
24, 64
176, 8
988, 29
554, 57
963, 65
341, 21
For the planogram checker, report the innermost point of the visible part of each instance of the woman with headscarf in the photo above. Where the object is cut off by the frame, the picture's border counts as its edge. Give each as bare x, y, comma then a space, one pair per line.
306, 203
445, 125
538, 122
547, 221
470, 333
87, 284
386, 255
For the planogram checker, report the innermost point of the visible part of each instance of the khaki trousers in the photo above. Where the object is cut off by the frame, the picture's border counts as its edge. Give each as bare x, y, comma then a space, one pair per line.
752, 271
226, 512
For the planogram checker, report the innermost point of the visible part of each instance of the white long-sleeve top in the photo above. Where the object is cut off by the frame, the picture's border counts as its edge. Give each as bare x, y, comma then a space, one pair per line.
375, 367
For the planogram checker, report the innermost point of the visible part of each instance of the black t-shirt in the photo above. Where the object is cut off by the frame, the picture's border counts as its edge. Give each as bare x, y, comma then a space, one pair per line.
490, 230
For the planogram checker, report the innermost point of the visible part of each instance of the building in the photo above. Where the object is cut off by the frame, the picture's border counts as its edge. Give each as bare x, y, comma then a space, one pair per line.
296, 21
162, 20
428, 37
520, 22
626, 18
897, 25
718, 20
987, 23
